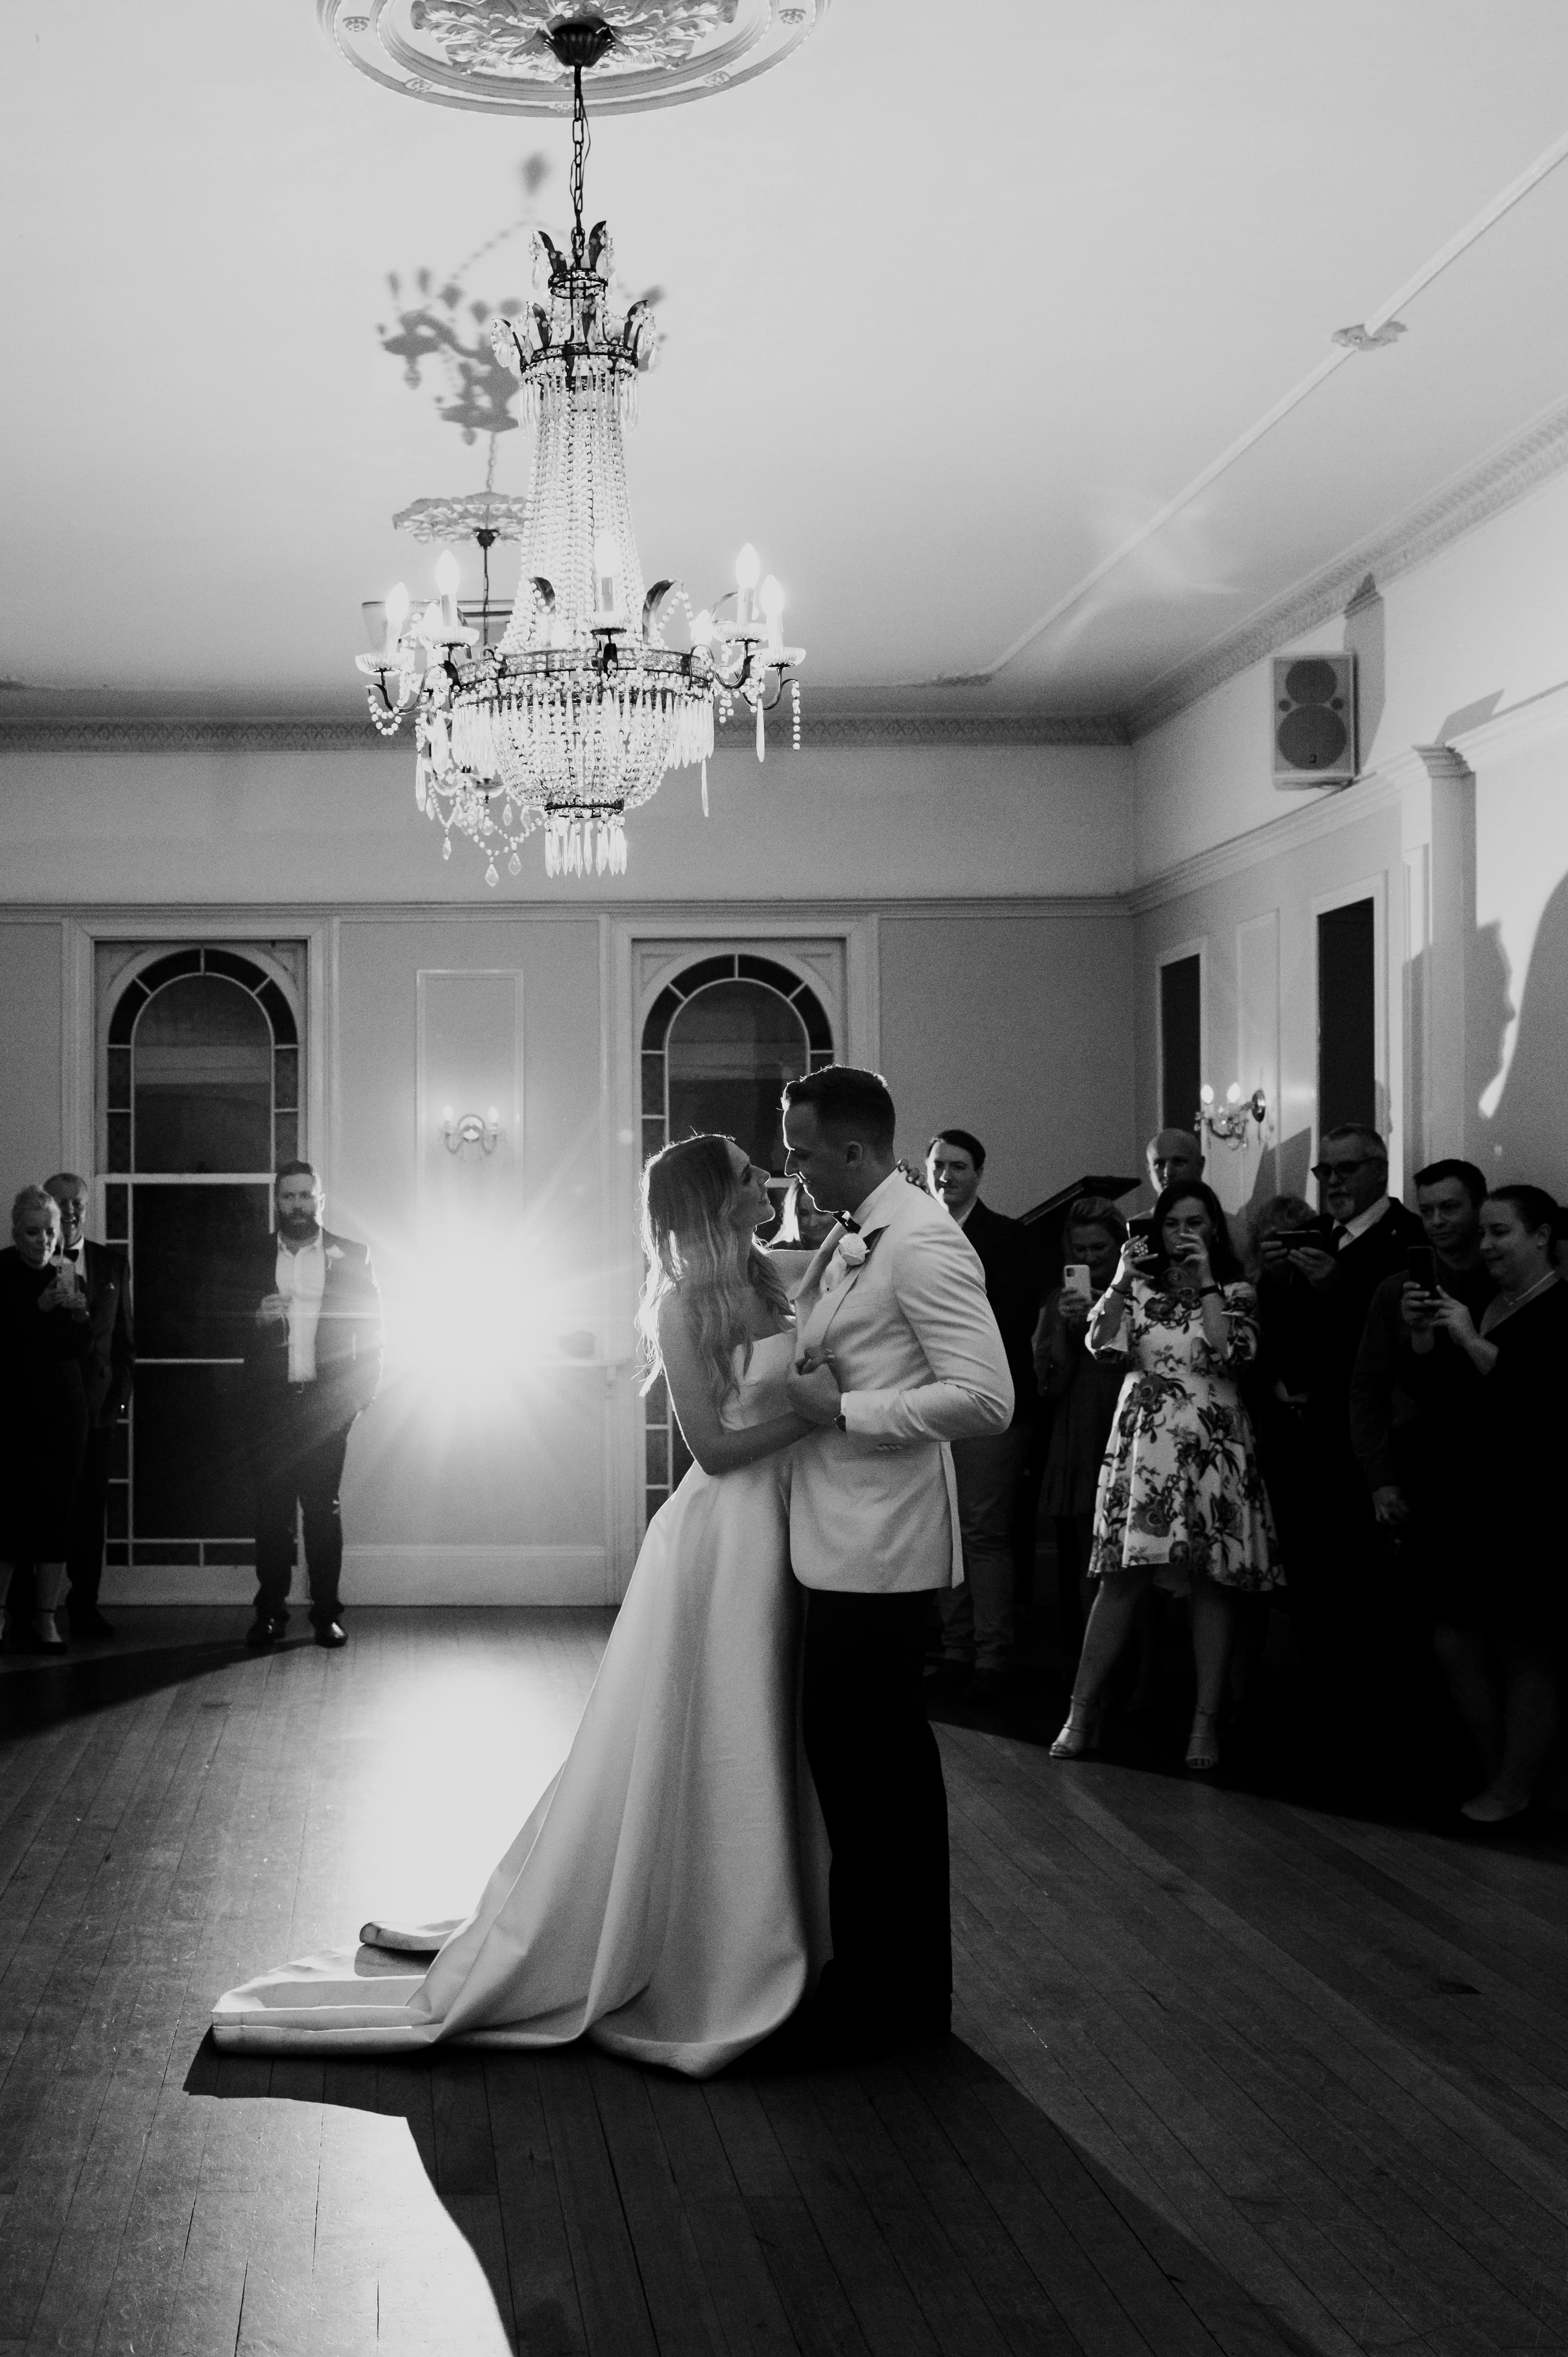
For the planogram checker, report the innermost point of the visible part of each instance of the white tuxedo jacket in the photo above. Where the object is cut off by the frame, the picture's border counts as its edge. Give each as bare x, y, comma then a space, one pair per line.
921, 1362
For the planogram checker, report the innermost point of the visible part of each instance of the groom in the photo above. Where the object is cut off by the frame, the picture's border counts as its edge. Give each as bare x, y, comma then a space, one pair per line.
897, 1353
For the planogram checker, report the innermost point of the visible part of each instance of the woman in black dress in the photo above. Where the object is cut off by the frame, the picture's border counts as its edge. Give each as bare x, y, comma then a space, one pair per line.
1502, 1616
45, 1340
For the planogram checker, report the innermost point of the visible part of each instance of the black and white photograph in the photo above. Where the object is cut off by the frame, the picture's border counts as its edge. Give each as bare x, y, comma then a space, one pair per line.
783, 904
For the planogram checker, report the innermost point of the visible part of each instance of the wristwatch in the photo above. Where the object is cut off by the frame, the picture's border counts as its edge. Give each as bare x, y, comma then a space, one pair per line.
840, 1423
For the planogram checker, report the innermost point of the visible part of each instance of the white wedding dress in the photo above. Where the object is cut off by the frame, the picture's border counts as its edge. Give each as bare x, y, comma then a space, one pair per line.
668, 1895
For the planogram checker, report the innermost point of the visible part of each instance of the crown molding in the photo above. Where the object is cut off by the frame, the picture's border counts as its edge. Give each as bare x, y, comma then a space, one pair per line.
1536, 721
1506, 475
832, 732
1370, 797
148, 920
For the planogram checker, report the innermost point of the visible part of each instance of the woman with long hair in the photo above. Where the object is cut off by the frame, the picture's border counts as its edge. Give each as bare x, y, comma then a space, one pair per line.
668, 1895
1501, 1604
1180, 1502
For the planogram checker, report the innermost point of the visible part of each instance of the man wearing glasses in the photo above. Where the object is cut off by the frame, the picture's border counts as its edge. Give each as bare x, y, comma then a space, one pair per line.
1372, 1233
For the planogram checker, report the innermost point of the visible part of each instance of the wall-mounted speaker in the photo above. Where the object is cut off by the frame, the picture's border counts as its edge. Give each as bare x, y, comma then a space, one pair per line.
1314, 720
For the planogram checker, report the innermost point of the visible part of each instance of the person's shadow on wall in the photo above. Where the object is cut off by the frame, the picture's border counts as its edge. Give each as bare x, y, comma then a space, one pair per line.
1526, 1136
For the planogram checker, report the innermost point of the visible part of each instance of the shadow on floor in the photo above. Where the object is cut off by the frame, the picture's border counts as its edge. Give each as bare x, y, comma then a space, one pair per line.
1275, 1744
154, 1649
916, 2202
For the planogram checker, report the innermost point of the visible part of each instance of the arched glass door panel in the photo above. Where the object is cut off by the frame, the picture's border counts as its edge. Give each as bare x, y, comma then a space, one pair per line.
201, 1102
718, 1045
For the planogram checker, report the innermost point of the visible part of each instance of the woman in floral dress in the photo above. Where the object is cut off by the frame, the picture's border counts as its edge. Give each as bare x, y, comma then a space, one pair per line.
1181, 1501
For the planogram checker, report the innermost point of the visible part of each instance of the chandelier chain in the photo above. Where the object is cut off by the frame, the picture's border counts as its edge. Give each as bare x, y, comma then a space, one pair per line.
581, 142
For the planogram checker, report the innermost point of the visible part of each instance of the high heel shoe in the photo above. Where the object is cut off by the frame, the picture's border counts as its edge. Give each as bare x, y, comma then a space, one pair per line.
1203, 1742
1080, 1731
47, 1638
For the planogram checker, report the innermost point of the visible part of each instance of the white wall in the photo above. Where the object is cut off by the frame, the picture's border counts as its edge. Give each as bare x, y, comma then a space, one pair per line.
1483, 626
885, 821
1469, 651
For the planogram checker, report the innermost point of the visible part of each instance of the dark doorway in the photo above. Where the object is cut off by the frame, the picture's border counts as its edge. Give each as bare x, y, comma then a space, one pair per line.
1347, 1017
1181, 1041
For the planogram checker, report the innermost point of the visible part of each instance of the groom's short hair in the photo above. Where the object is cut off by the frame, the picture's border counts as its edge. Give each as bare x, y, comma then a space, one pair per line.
848, 1104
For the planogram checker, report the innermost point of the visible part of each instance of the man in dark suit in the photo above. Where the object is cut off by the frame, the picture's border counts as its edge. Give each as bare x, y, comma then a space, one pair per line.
977, 1619
1346, 1595
101, 1275
312, 1348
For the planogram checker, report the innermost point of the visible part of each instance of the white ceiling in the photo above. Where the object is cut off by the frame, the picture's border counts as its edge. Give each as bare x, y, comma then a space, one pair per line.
957, 299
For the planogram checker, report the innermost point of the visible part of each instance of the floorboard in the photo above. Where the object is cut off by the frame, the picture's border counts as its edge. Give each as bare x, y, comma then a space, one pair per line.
1233, 2076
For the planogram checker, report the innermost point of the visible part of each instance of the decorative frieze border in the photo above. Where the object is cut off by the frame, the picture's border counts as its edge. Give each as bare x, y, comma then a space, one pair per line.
827, 733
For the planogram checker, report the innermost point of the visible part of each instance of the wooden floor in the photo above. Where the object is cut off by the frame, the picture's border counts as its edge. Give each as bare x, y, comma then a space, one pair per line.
1230, 2074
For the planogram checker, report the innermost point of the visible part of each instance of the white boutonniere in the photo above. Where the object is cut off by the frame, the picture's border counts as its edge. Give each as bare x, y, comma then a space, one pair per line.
334, 1252
850, 1253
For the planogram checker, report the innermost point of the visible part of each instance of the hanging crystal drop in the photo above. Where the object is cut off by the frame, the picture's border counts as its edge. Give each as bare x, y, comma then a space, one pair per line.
492, 874
446, 846
704, 785
514, 866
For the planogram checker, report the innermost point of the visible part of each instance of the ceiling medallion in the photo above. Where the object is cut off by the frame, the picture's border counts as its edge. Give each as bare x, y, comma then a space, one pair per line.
498, 57
574, 717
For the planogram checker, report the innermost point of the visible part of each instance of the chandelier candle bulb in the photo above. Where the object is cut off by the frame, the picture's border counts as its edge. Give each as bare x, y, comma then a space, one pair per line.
447, 582
397, 615
606, 572
770, 597
747, 567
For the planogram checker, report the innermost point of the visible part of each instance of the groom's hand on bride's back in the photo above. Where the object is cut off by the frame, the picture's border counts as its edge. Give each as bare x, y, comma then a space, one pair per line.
813, 1389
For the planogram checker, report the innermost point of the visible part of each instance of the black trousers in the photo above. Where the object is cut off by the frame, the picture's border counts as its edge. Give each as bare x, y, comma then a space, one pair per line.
89, 1522
298, 1459
880, 1777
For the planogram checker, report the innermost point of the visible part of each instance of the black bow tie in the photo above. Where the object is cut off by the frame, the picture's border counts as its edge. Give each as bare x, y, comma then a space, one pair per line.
851, 1227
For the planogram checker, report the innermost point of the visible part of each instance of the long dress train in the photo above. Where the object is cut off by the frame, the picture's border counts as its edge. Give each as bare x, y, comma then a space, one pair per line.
668, 1895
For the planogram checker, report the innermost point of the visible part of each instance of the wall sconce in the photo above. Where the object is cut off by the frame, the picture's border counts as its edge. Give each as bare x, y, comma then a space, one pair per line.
470, 1129
1229, 1123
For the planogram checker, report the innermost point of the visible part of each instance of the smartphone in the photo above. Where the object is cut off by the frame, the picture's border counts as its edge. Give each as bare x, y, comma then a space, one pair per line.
1141, 1235
1075, 1280
1421, 1267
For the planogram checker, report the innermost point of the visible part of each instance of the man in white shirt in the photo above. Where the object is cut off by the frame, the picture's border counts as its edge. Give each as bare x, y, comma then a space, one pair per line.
312, 1358
898, 1355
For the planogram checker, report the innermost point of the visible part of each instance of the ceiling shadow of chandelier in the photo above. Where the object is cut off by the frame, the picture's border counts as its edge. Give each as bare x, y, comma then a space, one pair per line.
574, 717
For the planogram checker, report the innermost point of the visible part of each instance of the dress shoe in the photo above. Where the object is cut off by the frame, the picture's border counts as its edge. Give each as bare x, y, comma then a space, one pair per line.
90, 1628
986, 1687
947, 1678
266, 1629
332, 1636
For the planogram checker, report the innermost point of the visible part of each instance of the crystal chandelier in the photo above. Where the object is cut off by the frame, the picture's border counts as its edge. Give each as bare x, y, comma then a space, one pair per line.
574, 717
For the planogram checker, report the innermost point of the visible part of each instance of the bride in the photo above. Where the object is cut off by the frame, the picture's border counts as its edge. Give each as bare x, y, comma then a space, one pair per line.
668, 1895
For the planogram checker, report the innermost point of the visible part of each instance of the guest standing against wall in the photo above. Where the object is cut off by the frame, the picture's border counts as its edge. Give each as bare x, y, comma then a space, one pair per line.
1083, 1391
977, 1619
1181, 1501
45, 1340
313, 1360
1502, 1609
1347, 1598
102, 1276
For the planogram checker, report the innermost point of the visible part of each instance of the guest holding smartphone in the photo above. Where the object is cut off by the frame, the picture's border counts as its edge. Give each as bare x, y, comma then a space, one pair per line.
1181, 1502
1502, 1608
1083, 1392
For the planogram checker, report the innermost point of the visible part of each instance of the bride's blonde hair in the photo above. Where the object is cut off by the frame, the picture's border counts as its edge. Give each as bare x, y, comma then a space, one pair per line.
694, 1249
